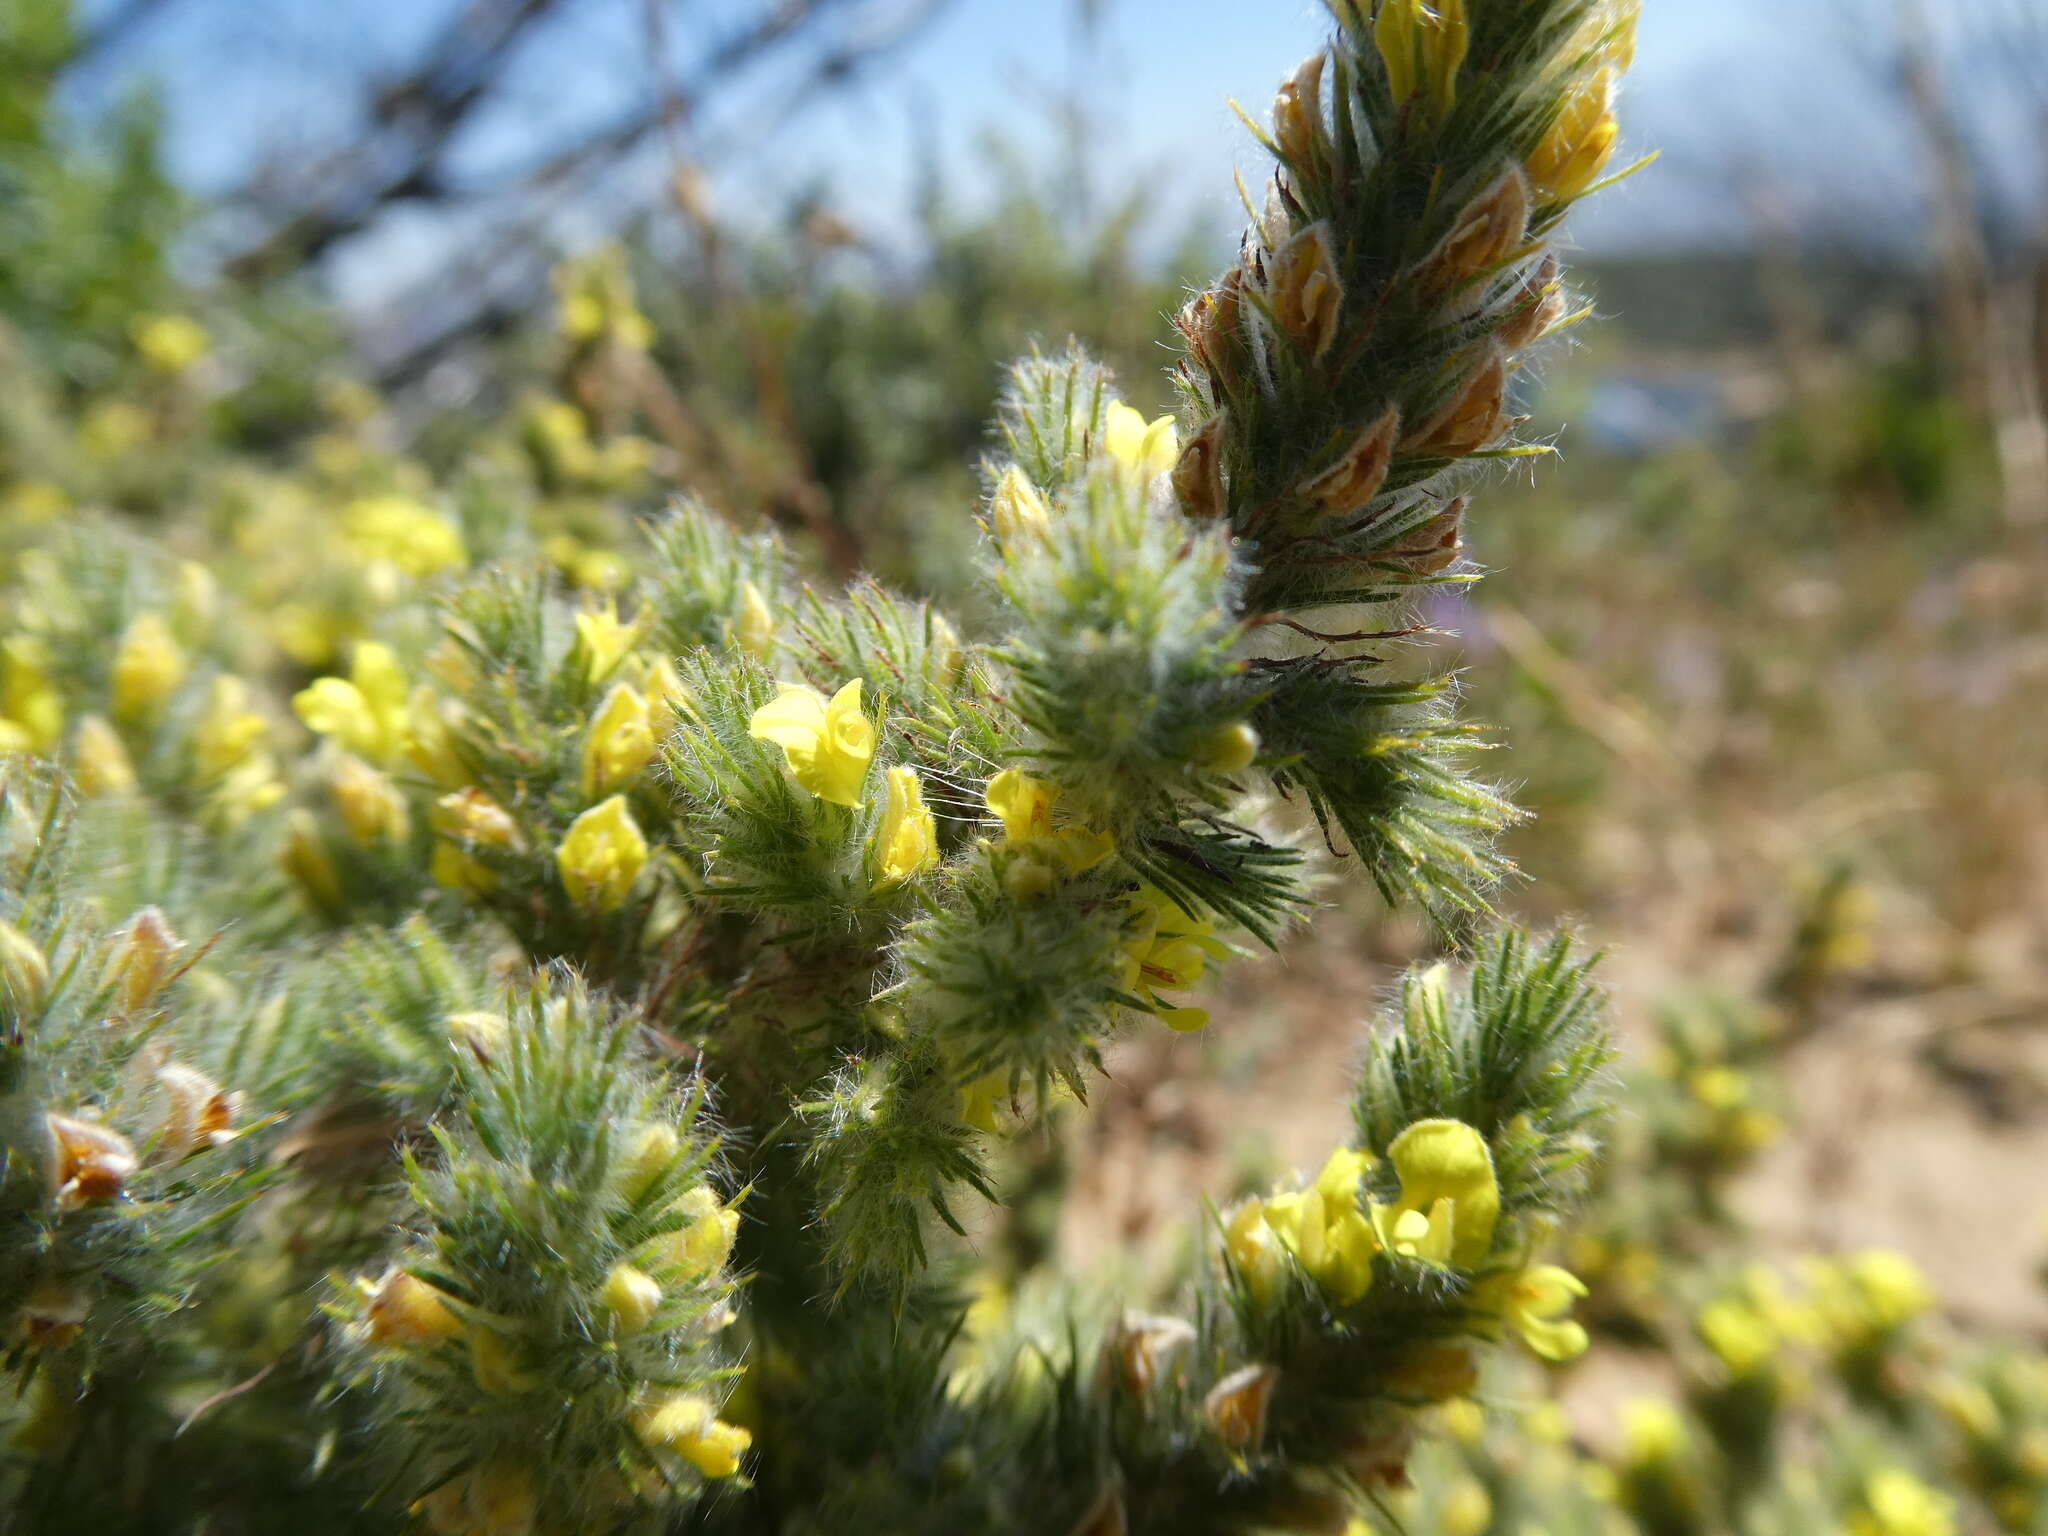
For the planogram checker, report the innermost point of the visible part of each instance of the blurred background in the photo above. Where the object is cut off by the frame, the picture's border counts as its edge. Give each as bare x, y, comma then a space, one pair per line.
1766, 639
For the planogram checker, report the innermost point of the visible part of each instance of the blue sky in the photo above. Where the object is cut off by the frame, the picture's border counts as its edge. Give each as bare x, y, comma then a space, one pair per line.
1758, 105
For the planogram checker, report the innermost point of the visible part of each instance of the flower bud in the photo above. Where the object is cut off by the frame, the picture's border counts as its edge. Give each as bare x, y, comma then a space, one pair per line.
907, 842
100, 764
1016, 511
706, 1243
619, 742
372, 807
631, 1296
754, 632
495, 1363
650, 1149
148, 667
305, 860
481, 1032
1230, 749
24, 972
602, 855
1577, 146
408, 1312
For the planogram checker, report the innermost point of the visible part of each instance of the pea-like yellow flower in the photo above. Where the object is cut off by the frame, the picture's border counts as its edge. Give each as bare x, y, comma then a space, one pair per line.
100, 764
31, 708
1653, 1432
430, 744
1165, 949
603, 640
1325, 1229
372, 807
705, 1244
1017, 512
148, 667
601, 855
907, 843
1740, 1336
619, 743
400, 532
1423, 46
828, 743
169, 343
366, 712
1533, 1302
1450, 1198
690, 1426
1143, 449
1577, 146
1025, 804
404, 1311
1896, 1503
229, 731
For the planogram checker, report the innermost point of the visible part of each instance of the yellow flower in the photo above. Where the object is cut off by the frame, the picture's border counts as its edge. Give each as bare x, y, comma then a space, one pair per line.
908, 840
1024, 805
366, 712
1143, 449
1016, 510
604, 640
705, 1244
828, 743
619, 743
1899, 1504
495, 1362
466, 818
99, 763
305, 859
1253, 1246
400, 532
229, 730
1739, 1335
430, 744
1230, 749
1323, 1227
371, 806
1534, 1302
1423, 46
1165, 948
1467, 1509
1652, 1432
602, 855
169, 343
401, 1310
148, 667
1577, 146
754, 632
690, 1427
1450, 1199
31, 709
632, 1296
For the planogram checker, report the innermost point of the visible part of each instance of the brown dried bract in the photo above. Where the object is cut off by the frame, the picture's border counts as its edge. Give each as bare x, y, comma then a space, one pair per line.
1198, 472
93, 1161
1306, 294
1475, 417
1357, 477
